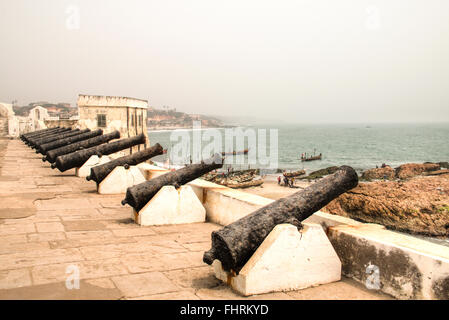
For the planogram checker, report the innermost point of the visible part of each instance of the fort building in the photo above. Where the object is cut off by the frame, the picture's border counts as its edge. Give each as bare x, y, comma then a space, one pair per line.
110, 113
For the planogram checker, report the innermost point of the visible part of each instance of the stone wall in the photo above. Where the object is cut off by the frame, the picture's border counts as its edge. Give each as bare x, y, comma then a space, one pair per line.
66, 123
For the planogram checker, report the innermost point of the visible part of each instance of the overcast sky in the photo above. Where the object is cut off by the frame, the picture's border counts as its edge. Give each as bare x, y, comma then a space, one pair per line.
301, 61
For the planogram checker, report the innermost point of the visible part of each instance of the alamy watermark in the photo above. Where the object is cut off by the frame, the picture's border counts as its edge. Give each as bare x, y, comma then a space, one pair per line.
73, 20
247, 146
373, 280
73, 277
373, 19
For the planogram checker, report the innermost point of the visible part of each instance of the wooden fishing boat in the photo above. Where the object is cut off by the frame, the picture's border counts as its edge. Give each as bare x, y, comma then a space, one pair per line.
233, 153
312, 158
246, 184
294, 173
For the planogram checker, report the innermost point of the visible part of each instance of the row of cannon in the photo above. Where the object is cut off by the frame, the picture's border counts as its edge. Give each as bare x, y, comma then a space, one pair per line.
234, 244
66, 149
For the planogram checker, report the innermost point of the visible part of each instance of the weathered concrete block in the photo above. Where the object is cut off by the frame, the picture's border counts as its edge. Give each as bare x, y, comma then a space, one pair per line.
93, 161
150, 171
120, 179
400, 265
286, 260
171, 206
225, 205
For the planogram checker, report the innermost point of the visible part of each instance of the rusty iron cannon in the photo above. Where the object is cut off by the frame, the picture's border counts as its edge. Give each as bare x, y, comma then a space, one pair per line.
32, 141
44, 148
63, 135
138, 195
38, 141
76, 159
51, 155
43, 134
33, 133
234, 244
99, 173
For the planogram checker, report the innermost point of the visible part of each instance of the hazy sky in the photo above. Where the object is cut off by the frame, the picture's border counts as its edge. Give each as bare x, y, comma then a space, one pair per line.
301, 61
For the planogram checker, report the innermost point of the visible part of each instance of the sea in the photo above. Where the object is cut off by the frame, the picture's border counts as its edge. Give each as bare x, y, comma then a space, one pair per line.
361, 146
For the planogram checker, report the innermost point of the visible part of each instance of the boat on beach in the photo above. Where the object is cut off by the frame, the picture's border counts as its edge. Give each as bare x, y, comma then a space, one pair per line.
246, 184
294, 173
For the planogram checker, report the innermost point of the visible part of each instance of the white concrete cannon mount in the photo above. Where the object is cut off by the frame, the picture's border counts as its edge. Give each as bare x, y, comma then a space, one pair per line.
93, 161
287, 259
171, 206
150, 171
120, 179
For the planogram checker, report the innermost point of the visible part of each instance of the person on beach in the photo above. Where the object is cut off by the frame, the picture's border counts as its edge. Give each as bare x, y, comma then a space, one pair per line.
279, 180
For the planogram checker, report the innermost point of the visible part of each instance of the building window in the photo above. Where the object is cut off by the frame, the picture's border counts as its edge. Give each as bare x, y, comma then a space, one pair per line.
101, 120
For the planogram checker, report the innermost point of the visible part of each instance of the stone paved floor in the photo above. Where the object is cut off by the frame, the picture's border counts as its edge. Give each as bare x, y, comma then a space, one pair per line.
52, 221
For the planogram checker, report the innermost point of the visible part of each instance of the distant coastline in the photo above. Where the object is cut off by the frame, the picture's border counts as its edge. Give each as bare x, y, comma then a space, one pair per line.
171, 128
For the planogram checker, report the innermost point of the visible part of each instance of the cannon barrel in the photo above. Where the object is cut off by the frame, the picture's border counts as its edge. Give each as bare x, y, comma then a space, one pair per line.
44, 148
32, 141
84, 144
138, 195
42, 134
77, 158
98, 173
48, 133
29, 140
51, 137
36, 132
55, 137
234, 244
32, 133
63, 135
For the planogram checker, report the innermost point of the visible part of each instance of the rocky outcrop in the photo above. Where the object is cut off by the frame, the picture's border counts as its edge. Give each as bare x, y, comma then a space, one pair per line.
410, 170
386, 173
419, 205
405, 171
320, 173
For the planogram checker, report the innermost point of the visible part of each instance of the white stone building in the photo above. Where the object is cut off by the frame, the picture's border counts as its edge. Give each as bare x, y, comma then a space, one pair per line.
110, 113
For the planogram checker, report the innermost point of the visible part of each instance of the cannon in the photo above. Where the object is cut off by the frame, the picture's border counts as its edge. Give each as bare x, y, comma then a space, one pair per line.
77, 158
32, 133
138, 195
42, 134
52, 137
84, 144
44, 148
64, 135
32, 141
98, 173
234, 244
